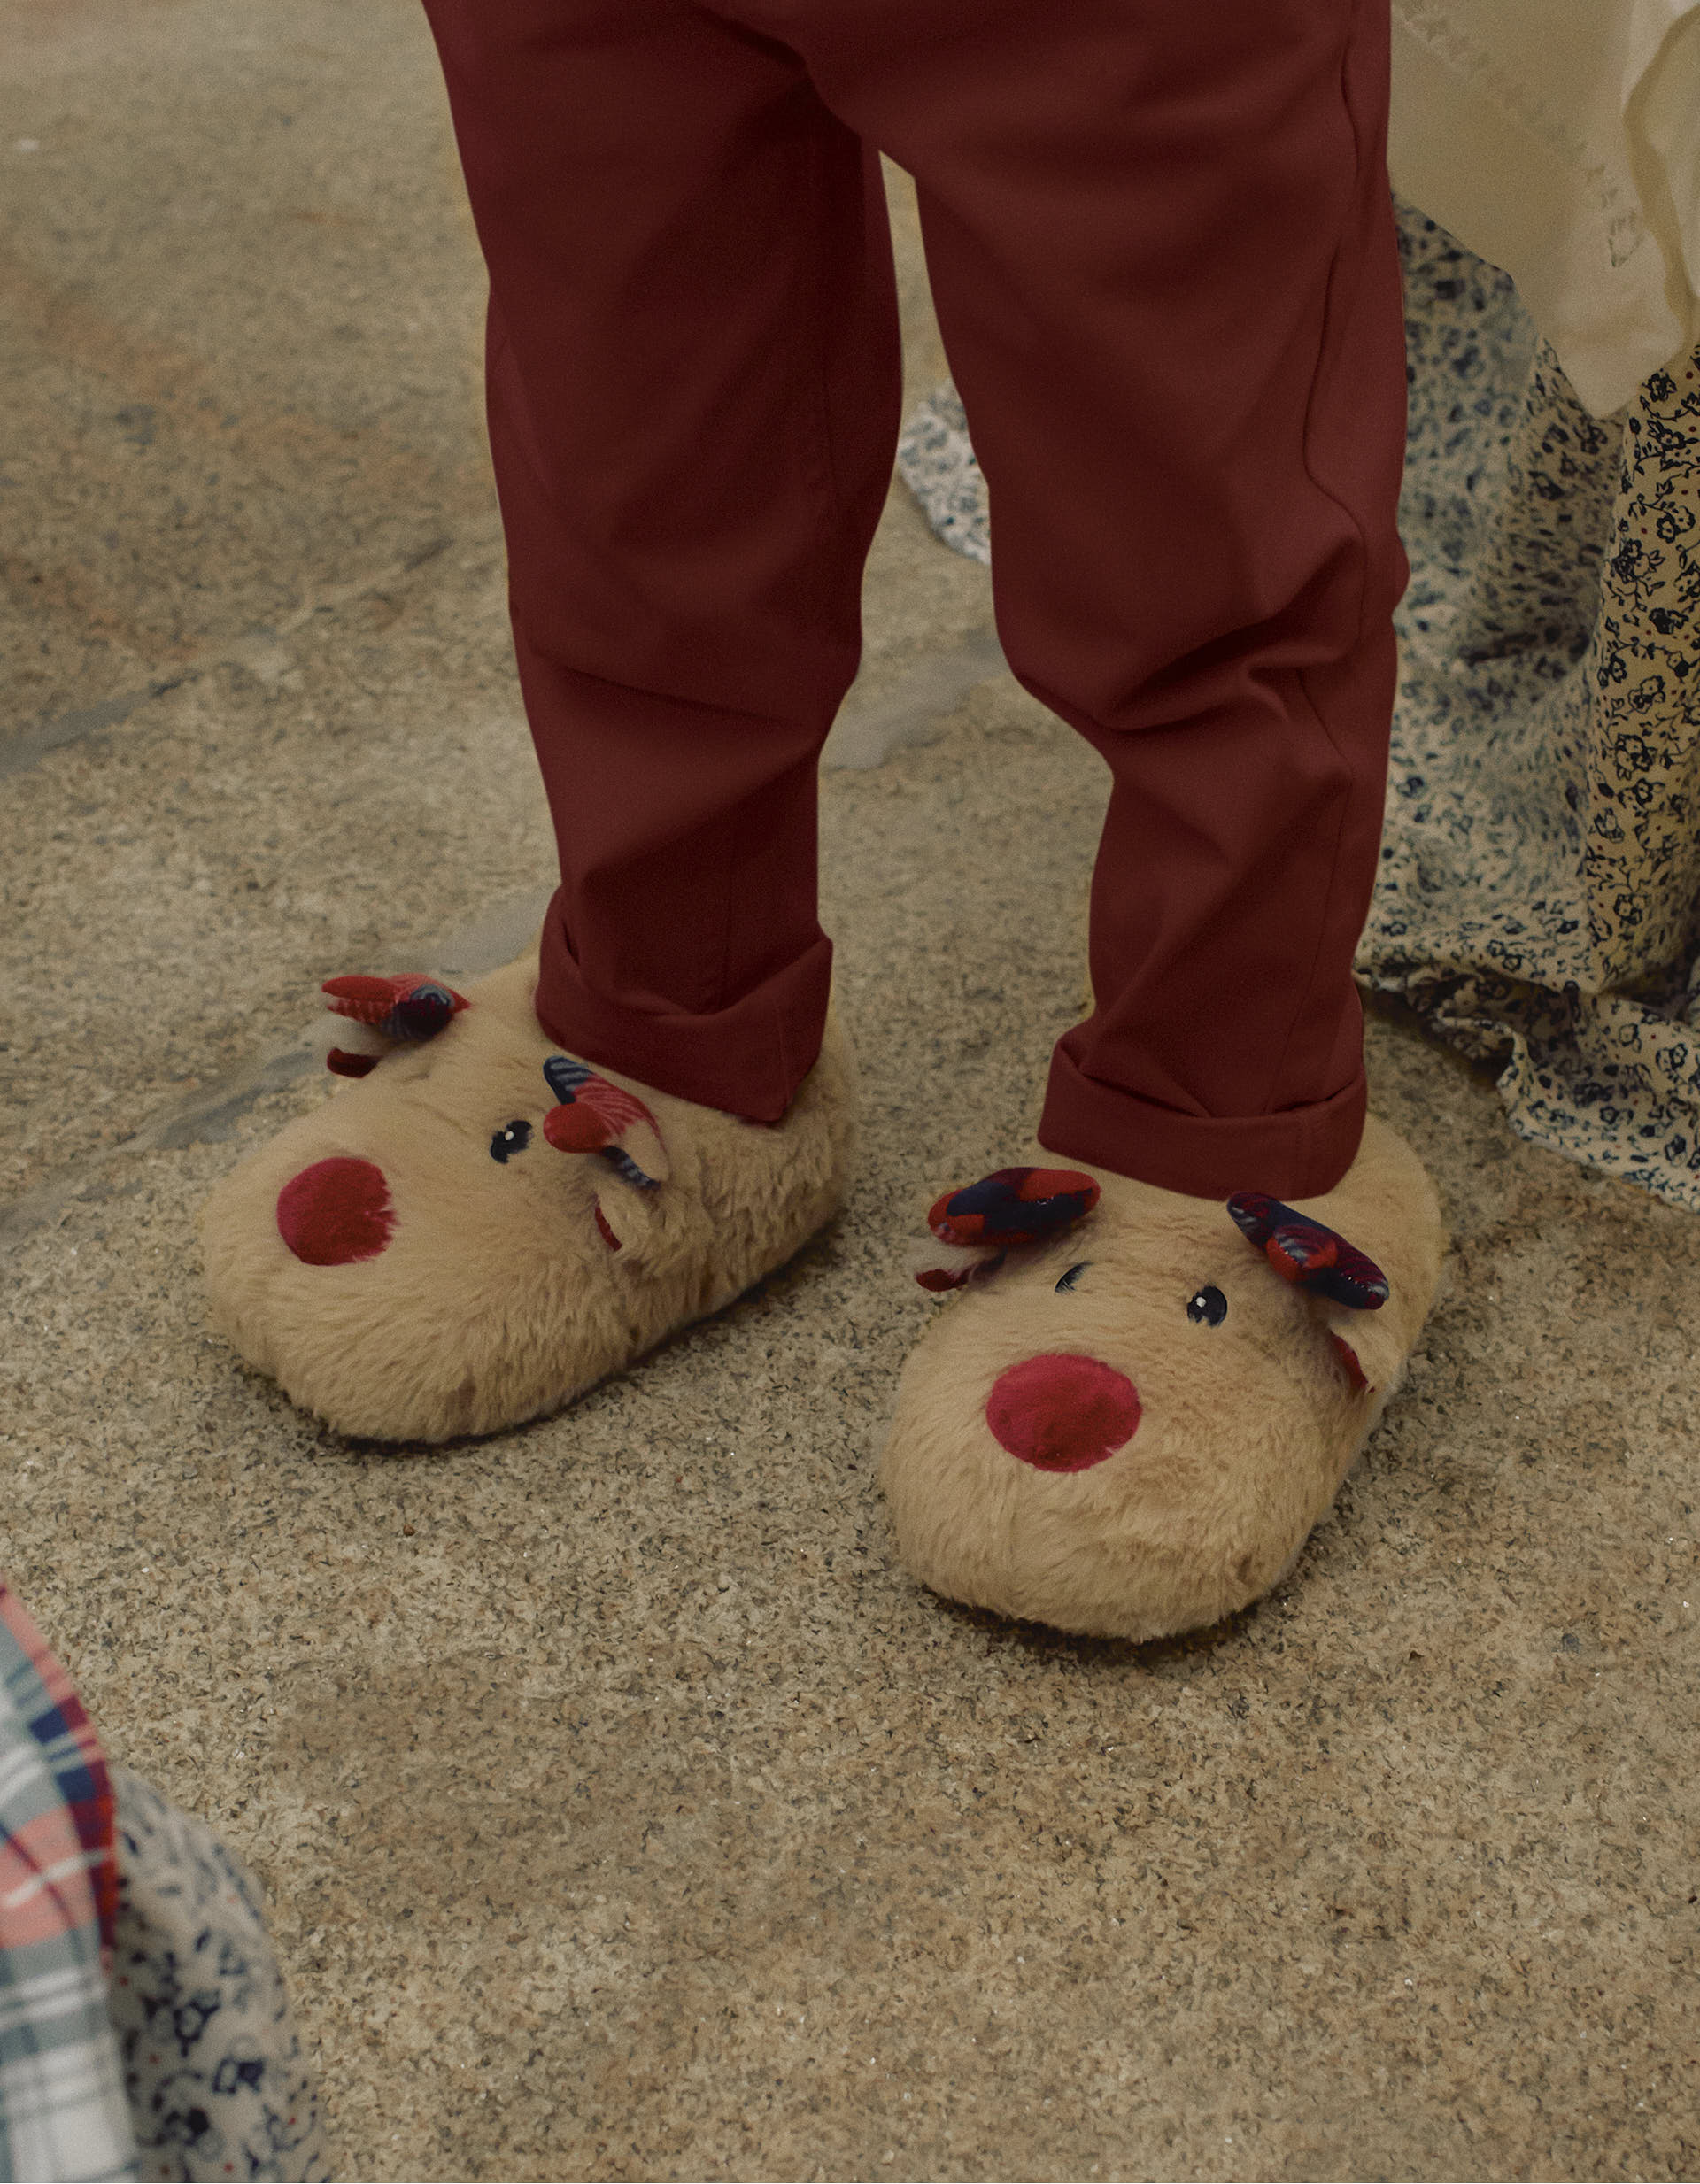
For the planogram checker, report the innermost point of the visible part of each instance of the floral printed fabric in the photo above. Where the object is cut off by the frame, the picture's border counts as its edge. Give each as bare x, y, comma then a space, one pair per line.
1540, 863
213, 2063
1541, 857
936, 461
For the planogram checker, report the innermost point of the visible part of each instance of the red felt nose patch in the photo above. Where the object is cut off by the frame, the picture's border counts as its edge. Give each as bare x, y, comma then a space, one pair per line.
1062, 1413
336, 1211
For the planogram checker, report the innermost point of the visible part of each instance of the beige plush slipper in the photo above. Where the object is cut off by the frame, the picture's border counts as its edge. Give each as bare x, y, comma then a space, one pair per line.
481, 1227
1140, 1403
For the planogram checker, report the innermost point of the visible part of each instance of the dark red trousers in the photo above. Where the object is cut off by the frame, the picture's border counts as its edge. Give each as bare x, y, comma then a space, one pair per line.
1160, 244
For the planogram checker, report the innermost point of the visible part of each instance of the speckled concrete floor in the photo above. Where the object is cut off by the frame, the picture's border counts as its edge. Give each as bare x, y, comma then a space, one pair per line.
626, 1812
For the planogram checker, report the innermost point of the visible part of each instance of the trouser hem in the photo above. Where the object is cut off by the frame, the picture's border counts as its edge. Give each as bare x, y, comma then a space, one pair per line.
1299, 1153
748, 1058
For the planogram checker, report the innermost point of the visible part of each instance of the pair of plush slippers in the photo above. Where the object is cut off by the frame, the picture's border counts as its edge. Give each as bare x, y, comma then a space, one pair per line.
1126, 1420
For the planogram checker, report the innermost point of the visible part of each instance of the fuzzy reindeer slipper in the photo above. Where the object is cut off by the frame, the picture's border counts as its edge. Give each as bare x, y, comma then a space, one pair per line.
482, 1226
1140, 1403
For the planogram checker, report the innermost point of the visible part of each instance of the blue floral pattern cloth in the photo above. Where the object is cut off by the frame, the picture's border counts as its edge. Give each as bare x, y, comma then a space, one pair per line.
213, 2069
1540, 863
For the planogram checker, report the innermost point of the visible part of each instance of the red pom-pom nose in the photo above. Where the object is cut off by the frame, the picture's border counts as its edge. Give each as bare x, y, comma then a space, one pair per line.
1062, 1413
334, 1212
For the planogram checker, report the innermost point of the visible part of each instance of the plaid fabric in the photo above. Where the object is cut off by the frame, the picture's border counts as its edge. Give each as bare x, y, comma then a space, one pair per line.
63, 2114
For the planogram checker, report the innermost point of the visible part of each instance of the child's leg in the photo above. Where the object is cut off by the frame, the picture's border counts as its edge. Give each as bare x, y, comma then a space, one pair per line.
694, 377
694, 383
1162, 246
1162, 252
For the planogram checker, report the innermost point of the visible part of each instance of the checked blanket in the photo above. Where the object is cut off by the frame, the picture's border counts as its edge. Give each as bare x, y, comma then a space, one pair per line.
63, 2111
144, 2031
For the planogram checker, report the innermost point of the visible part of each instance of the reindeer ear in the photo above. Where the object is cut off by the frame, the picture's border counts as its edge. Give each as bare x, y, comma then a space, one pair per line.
379, 1013
974, 1228
631, 1223
1370, 1351
1351, 1363
940, 1266
597, 1116
1308, 1253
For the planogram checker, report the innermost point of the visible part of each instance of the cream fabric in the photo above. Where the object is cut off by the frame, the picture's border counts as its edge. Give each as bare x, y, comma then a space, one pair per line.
1560, 141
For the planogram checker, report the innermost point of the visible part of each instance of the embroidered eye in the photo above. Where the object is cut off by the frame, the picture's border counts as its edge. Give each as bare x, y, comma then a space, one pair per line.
1072, 1277
1209, 1308
511, 1138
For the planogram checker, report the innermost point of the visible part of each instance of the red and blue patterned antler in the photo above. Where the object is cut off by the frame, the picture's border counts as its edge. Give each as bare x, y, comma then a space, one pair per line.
1012, 1208
1308, 1253
592, 1114
407, 1008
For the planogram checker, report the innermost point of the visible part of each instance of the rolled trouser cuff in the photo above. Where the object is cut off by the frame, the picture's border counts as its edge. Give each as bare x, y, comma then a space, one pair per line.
1297, 1152
747, 1059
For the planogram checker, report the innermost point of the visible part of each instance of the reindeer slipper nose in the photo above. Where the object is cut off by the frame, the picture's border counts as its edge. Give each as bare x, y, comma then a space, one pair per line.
334, 1212
1062, 1413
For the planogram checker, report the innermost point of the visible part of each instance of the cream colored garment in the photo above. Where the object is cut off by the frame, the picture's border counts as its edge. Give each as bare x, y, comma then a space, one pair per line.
1560, 141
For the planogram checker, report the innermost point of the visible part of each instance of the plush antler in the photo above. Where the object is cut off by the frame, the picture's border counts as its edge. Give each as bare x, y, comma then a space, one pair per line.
594, 1113
1313, 1256
386, 1011
1308, 1253
974, 1228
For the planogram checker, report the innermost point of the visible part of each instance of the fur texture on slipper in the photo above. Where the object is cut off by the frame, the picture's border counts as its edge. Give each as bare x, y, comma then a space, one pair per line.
1139, 1405
479, 1227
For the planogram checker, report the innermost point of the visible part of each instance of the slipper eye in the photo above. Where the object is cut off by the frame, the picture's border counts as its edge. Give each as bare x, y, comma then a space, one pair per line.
512, 1138
1072, 1277
1209, 1308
